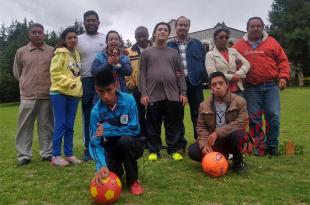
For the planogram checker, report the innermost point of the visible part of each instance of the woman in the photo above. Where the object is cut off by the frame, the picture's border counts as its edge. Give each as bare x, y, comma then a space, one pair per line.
113, 59
227, 60
65, 91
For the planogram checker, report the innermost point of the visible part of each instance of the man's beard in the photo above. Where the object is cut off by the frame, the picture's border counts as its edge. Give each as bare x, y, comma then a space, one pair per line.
90, 32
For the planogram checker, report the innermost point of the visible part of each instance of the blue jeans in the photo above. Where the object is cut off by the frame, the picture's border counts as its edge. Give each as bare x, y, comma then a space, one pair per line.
264, 99
64, 108
87, 105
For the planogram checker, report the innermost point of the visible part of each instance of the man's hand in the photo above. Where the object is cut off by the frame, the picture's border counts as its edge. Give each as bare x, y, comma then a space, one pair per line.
282, 83
113, 59
145, 100
103, 173
183, 100
99, 130
206, 149
212, 138
235, 77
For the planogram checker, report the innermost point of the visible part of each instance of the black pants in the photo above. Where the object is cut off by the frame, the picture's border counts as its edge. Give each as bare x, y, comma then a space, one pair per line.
141, 111
195, 97
230, 145
169, 111
124, 151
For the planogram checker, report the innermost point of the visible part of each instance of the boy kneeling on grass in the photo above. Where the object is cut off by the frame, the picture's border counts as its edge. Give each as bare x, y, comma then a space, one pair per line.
114, 129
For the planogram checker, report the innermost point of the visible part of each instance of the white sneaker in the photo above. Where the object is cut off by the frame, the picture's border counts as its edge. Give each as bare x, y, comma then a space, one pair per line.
59, 161
73, 160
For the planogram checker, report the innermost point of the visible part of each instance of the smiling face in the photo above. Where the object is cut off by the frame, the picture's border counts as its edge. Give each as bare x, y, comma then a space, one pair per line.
71, 40
36, 36
255, 29
91, 24
182, 27
113, 41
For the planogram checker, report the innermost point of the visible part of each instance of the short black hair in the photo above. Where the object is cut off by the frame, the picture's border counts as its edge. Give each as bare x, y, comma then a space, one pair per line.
219, 30
162, 23
252, 18
104, 78
217, 74
141, 28
89, 13
36, 25
176, 22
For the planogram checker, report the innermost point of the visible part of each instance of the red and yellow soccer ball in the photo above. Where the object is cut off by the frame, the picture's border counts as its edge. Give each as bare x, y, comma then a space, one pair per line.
214, 164
108, 191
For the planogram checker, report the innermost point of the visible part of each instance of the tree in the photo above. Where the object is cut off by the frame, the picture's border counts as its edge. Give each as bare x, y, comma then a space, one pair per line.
290, 25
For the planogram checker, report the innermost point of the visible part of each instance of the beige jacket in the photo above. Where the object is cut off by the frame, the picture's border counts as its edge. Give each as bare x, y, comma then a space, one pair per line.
236, 117
32, 70
216, 62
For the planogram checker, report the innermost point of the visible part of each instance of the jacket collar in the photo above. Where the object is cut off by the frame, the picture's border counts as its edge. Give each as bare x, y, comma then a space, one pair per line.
218, 54
136, 48
120, 101
210, 108
246, 36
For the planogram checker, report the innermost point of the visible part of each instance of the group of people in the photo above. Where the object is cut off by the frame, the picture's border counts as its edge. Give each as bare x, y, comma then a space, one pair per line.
126, 94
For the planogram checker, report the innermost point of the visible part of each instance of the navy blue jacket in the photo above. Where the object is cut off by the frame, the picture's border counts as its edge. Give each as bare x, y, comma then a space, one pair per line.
195, 57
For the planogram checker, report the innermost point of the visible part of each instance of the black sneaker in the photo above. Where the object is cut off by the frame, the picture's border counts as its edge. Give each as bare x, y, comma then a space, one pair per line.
23, 162
49, 158
86, 156
273, 151
239, 166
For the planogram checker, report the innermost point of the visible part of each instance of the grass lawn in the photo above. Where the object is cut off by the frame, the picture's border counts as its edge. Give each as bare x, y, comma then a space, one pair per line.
278, 180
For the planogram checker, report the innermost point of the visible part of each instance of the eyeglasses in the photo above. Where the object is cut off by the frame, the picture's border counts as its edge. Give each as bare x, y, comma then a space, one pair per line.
223, 37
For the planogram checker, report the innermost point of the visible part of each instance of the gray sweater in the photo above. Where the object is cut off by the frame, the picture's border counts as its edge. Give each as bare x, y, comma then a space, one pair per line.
158, 80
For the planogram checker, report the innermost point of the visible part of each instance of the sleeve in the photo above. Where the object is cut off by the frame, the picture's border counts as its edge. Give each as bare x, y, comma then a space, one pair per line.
17, 66
181, 80
245, 67
132, 128
282, 62
56, 71
201, 129
125, 68
240, 123
210, 64
98, 65
143, 74
96, 150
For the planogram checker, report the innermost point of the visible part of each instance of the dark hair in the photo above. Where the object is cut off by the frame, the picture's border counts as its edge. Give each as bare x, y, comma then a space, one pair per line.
176, 22
252, 18
219, 30
104, 78
64, 35
89, 13
31, 26
160, 23
112, 31
217, 74
141, 28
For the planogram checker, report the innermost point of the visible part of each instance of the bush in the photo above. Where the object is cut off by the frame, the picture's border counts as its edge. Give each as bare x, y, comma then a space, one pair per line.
9, 91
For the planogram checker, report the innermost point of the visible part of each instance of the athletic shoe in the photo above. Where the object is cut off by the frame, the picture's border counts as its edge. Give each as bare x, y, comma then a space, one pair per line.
59, 161
153, 157
73, 160
136, 188
273, 151
23, 162
176, 156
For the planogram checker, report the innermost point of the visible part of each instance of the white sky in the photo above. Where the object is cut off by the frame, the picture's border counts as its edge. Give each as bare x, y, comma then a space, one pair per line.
125, 15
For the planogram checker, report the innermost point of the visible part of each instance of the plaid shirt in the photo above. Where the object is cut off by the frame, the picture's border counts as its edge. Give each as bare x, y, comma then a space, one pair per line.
182, 52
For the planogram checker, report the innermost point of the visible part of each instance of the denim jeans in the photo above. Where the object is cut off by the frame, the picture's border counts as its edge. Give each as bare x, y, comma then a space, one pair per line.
87, 105
64, 108
264, 99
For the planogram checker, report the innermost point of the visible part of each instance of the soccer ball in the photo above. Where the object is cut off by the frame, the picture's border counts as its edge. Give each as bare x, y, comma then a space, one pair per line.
108, 191
214, 164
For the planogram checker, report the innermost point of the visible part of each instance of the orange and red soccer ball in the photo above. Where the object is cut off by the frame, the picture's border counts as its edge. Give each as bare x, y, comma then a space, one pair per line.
214, 164
108, 191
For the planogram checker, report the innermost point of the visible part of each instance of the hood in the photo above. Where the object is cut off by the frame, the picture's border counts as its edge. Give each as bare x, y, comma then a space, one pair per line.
265, 35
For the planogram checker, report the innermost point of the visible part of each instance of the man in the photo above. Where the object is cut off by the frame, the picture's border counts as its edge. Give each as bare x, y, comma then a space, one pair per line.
89, 44
221, 123
114, 131
162, 92
32, 70
134, 53
192, 55
269, 71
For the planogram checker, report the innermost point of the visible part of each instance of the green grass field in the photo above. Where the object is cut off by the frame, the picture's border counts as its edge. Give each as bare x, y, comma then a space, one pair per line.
278, 180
